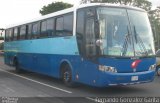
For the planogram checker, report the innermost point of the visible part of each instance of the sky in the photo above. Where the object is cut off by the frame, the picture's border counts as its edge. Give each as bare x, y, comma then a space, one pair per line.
155, 2
15, 11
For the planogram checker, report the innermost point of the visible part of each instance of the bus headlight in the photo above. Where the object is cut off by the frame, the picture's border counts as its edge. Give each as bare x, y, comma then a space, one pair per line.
152, 67
107, 69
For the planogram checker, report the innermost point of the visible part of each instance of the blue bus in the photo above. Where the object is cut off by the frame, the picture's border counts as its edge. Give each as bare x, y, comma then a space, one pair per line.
95, 44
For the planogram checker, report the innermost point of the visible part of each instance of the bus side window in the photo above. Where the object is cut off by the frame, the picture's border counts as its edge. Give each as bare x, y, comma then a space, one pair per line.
80, 30
50, 27
90, 38
7, 35
29, 33
59, 26
22, 32
15, 33
68, 24
12, 34
36, 30
10, 38
43, 29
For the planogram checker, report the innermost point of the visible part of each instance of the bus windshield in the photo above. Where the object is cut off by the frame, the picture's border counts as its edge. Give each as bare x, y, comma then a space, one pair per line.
121, 37
142, 34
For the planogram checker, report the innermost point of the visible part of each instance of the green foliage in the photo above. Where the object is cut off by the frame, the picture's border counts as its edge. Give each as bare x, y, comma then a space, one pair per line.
144, 4
154, 16
1, 38
2, 46
53, 7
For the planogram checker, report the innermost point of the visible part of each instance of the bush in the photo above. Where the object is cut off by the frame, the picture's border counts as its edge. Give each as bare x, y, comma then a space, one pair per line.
2, 46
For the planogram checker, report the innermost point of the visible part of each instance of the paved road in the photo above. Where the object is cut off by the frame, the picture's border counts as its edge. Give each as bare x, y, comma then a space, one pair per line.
35, 85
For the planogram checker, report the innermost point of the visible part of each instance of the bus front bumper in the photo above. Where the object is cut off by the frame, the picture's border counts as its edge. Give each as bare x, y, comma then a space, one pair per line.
113, 79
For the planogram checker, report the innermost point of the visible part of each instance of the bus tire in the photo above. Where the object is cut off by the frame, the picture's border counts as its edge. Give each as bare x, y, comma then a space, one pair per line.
66, 75
17, 67
158, 70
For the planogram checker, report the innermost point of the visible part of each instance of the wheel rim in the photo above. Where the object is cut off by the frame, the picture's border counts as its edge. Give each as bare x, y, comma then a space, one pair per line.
66, 76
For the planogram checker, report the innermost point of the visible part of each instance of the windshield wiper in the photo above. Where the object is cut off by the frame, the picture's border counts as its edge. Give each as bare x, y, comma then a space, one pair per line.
140, 42
125, 44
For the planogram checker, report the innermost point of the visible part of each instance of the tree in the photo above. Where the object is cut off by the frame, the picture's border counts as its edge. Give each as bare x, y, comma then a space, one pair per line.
1, 38
53, 7
2, 46
144, 4
154, 16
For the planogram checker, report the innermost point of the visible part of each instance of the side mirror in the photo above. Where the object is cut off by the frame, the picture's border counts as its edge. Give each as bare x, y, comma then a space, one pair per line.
99, 42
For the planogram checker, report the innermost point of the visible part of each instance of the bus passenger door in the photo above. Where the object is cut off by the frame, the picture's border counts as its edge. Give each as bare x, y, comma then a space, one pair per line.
90, 51
90, 40
86, 37
86, 40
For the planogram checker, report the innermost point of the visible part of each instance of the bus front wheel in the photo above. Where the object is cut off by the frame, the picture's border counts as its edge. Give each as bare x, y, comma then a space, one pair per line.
67, 76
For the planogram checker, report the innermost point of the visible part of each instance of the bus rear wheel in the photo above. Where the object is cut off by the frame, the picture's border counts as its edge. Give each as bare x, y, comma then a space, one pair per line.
17, 67
67, 76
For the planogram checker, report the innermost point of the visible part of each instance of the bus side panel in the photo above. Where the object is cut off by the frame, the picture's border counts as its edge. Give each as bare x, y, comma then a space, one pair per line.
44, 55
85, 70
47, 64
9, 53
26, 62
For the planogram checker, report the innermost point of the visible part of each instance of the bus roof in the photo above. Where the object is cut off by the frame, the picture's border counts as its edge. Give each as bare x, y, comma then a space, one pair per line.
71, 10
109, 5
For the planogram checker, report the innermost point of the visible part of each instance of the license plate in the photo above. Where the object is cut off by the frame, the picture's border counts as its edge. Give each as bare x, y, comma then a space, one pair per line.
134, 78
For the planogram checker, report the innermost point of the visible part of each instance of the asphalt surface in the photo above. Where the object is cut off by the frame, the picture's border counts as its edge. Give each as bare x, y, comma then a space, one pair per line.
44, 88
